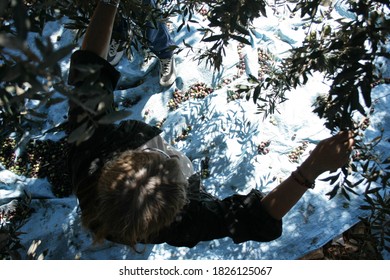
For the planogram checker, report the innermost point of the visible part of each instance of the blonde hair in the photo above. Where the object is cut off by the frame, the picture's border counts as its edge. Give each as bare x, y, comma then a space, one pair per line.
138, 194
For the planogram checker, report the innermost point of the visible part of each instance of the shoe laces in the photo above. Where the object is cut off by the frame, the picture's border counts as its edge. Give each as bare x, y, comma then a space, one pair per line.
165, 66
113, 47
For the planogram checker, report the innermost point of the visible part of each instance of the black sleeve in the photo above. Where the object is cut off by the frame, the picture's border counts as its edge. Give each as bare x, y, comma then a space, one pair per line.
94, 80
240, 217
246, 219
81, 64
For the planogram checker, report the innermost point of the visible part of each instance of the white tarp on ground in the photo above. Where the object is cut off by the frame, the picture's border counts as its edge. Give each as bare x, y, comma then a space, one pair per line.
228, 133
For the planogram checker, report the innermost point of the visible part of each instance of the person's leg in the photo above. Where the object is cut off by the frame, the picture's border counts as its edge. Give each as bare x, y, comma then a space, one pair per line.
162, 44
160, 40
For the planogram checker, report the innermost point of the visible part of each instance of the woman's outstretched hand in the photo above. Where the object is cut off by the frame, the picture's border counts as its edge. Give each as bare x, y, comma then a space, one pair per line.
330, 154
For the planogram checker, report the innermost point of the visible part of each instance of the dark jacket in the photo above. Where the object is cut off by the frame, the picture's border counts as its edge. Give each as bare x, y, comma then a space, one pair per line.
240, 217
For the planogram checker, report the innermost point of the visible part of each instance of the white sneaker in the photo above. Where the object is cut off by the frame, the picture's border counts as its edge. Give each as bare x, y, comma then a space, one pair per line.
149, 60
167, 71
116, 51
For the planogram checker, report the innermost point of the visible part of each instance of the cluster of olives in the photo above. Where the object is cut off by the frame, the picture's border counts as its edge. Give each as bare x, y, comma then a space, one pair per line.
203, 11
196, 91
204, 168
265, 61
234, 95
184, 133
12, 216
297, 152
381, 81
129, 102
7, 153
262, 148
364, 124
39, 159
159, 124
241, 66
225, 82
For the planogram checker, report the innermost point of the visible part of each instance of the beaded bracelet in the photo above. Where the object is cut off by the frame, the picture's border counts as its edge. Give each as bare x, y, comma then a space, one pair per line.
306, 183
114, 3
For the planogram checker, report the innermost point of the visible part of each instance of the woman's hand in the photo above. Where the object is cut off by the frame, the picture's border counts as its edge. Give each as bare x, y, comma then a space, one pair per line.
330, 154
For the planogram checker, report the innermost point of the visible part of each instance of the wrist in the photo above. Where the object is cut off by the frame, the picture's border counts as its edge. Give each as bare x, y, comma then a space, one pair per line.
302, 180
309, 172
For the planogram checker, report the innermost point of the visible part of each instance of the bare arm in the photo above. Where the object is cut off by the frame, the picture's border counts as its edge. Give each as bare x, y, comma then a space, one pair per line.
98, 34
330, 154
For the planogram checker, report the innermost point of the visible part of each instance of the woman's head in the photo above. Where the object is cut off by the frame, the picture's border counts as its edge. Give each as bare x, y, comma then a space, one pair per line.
139, 193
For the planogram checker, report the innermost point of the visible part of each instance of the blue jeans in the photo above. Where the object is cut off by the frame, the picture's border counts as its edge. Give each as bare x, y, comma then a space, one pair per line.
159, 38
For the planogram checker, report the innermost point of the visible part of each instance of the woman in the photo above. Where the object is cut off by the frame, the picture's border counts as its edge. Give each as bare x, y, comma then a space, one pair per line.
135, 188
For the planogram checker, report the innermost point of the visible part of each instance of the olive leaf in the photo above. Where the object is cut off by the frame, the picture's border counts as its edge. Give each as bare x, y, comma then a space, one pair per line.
114, 116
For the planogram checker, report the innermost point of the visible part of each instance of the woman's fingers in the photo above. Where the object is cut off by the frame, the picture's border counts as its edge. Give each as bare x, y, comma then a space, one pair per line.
341, 145
351, 140
349, 144
331, 153
344, 135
